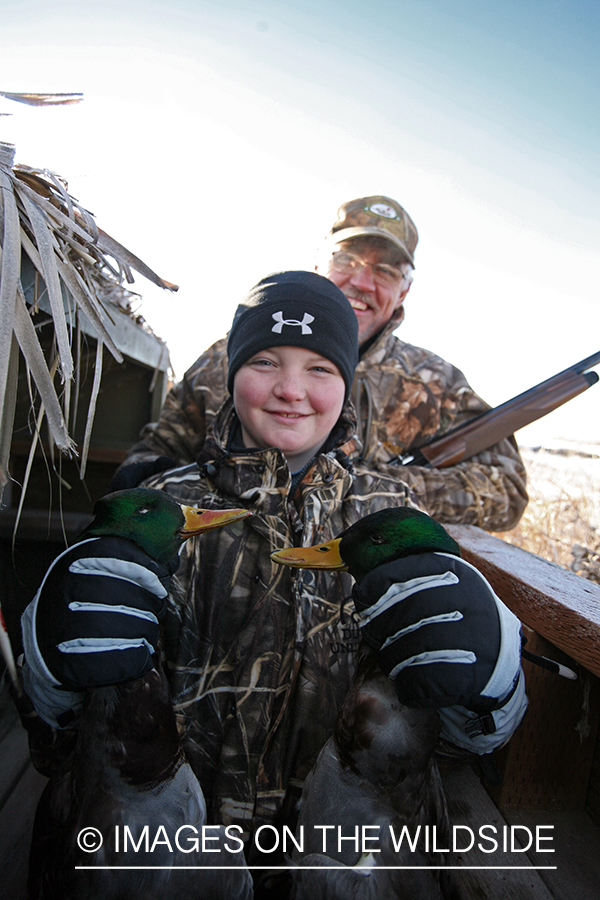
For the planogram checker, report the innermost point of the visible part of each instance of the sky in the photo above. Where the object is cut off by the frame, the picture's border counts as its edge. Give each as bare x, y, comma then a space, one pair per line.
217, 140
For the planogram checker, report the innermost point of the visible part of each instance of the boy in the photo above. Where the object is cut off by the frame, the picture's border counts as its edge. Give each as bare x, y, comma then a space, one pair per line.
260, 657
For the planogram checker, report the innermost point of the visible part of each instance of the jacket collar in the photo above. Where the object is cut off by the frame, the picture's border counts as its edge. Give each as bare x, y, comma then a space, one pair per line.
220, 442
382, 336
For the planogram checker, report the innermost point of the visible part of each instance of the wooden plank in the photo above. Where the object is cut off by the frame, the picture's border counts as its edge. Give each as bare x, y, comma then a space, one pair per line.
562, 607
8, 710
592, 801
577, 853
469, 805
547, 763
16, 823
20, 789
42, 525
14, 753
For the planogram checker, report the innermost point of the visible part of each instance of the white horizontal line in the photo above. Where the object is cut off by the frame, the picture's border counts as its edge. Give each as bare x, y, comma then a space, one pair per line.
295, 868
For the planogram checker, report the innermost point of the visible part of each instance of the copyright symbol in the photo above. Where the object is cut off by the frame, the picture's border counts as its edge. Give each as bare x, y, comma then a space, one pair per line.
89, 840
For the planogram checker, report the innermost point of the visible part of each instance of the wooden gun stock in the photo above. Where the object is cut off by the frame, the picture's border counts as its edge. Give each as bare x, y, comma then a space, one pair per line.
490, 427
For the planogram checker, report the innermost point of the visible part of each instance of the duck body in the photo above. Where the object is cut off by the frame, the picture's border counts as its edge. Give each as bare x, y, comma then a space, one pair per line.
128, 781
377, 770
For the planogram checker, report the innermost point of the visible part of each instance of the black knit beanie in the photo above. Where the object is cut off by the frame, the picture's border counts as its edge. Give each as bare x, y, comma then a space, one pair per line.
297, 309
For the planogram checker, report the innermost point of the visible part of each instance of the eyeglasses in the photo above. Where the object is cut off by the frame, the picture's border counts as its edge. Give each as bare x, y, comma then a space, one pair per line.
383, 274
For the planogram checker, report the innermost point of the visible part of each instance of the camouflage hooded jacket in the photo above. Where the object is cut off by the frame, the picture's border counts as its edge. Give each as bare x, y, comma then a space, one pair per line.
403, 396
260, 656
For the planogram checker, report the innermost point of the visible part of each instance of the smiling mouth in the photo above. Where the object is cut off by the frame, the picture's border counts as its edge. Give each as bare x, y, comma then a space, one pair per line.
360, 305
287, 415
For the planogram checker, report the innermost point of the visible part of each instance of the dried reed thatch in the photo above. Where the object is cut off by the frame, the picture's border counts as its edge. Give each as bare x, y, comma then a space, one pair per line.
42, 99
84, 271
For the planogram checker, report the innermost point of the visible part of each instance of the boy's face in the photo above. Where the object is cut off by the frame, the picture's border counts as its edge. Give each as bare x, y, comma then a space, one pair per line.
288, 397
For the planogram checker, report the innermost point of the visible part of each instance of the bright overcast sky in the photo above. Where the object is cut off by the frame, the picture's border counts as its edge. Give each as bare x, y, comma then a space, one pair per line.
216, 141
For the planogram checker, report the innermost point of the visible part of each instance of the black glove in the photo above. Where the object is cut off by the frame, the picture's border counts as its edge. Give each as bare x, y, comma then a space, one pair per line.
132, 475
441, 633
95, 619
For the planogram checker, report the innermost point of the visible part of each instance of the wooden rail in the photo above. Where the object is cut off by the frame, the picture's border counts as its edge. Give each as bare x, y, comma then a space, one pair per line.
557, 604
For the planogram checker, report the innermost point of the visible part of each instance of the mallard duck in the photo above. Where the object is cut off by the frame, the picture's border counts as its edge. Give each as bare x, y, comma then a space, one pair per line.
129, 779
371, 542
378, 768
439, 630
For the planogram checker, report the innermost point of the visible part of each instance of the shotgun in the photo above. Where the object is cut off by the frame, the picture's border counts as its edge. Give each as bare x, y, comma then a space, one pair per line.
490, 427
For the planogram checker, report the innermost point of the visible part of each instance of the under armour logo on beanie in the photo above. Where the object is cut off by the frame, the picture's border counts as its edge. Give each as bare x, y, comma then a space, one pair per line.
278, 316
294, 301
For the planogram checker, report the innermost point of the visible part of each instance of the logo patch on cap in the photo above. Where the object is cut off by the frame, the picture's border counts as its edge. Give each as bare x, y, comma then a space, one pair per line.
382, 209
304, 324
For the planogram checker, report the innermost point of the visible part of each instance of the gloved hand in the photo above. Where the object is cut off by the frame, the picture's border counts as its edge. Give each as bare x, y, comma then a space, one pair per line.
132, 475
95, 619
442, 634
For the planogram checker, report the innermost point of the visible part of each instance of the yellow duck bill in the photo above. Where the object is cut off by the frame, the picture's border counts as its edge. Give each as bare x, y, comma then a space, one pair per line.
320, 556
197, 521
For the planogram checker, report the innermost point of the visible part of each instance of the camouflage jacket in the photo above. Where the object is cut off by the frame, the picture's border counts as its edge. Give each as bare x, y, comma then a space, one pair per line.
260, 656
403, 396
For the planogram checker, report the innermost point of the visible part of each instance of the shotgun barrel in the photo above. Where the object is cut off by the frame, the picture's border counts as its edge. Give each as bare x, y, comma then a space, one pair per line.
488, 428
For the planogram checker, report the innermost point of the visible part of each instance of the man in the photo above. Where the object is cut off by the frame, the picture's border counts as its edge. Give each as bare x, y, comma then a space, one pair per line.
403, 395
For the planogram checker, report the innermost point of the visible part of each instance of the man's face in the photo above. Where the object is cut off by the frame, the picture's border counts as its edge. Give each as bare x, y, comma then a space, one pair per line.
374, 301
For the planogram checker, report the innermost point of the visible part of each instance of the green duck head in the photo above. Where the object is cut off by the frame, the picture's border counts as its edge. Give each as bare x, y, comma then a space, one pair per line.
155, 521
372, 541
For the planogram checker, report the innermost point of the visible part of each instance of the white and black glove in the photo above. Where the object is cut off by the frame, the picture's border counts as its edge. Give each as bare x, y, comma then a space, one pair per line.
94, 621
443, 637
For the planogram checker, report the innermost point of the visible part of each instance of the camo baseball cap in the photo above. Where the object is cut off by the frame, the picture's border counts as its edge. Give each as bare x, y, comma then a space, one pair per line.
380, 216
